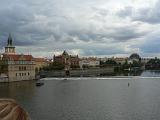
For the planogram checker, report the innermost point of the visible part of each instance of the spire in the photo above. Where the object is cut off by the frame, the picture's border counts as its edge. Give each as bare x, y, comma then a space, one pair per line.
9, 40
9, 49
64, 53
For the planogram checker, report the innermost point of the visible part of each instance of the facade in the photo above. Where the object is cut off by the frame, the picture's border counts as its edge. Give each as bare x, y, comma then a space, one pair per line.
1, 64
67, 60
18, 67
89, 62
103, 59
40, 63
145, 60
118, 60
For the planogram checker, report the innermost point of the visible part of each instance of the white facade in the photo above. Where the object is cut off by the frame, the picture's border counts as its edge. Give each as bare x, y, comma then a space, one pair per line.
120, 60
145, 60
89, 63
16, 73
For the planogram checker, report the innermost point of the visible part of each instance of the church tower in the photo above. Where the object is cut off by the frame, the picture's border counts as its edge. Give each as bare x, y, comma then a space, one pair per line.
9, 49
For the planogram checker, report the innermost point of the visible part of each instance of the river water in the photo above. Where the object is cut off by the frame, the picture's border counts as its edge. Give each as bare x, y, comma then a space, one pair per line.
92, 98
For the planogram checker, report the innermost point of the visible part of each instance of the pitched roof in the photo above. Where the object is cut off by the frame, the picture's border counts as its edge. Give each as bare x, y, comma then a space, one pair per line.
17, 57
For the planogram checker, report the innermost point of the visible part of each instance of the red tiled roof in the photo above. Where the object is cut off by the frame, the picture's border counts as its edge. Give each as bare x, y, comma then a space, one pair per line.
17, 57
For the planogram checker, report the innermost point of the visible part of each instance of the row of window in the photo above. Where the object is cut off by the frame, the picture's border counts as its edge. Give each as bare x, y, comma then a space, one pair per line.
22, 74
9, 50
21, 68
19, 62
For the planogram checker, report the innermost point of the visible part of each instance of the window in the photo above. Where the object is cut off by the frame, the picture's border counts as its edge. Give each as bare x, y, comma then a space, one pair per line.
19, 68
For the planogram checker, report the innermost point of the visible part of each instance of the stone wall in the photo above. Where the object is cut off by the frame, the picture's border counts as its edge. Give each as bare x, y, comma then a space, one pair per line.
76, 73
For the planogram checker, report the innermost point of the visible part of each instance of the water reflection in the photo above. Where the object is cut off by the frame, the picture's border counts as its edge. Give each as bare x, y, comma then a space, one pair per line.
151, 73
125, 73
20, 91
147, 73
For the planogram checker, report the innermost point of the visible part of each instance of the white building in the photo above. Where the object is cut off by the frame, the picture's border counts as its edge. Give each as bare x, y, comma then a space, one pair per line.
89, 62
145, 60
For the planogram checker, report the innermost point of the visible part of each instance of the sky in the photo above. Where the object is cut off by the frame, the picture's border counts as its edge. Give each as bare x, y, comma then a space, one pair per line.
101, 28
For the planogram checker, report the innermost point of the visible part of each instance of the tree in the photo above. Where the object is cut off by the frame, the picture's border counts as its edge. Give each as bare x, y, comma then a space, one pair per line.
136, 64
108, 63
54, 66
153, 64
3, 66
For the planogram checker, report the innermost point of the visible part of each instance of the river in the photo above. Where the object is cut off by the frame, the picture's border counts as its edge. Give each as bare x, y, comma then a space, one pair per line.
92, 98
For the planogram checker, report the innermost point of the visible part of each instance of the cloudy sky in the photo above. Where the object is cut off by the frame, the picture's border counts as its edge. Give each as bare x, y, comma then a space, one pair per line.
84, 27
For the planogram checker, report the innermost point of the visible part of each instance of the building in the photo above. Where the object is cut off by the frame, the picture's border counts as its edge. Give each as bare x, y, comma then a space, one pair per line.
40, 63
120, 61
89, 62
134, 57
1, 64
69, 61
145, 60
18, 67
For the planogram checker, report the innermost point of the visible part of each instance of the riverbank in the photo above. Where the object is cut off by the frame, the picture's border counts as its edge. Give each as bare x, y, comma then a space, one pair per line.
74, 73
88, 98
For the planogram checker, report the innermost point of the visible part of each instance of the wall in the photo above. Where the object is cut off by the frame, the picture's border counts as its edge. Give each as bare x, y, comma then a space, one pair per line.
88, 72
17, 74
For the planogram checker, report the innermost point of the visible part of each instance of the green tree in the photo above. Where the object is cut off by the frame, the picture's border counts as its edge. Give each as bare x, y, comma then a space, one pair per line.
3, 66
136, 64
108, 63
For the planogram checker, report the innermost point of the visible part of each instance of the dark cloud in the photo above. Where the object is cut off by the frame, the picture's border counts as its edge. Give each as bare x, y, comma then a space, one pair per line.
149, 15
125, 33
103, 51
57, 25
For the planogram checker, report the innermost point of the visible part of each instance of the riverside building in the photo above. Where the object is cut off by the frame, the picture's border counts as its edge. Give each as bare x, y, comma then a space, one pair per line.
40, 63
69, 61
17, 67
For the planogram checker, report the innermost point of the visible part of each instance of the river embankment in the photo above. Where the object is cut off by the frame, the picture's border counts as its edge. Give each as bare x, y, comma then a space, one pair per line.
79, 72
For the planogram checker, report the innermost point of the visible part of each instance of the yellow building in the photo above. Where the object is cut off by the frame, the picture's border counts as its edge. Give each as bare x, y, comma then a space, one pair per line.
40, 63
